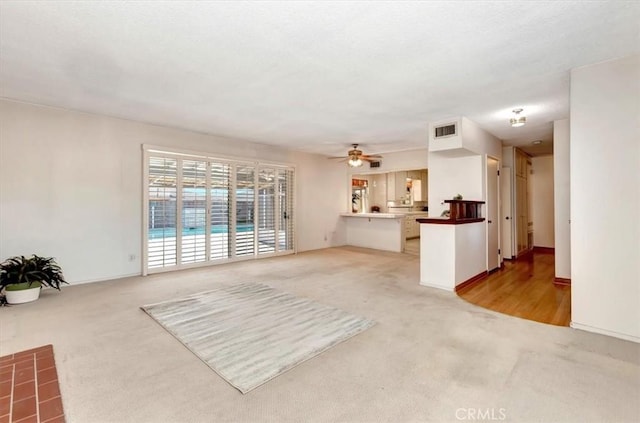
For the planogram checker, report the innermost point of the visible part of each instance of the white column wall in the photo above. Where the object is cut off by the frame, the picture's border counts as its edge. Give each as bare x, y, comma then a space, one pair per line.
449, 176
605, 198
561, 199
71, 187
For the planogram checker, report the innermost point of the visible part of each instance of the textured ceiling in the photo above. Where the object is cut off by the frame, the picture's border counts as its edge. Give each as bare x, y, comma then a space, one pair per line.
312, 76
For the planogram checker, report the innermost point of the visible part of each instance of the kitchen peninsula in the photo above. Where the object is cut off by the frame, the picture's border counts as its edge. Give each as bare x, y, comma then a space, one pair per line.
382, 231
395, 199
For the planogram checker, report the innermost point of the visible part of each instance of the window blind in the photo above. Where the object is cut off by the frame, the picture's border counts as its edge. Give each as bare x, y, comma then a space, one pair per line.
201, 210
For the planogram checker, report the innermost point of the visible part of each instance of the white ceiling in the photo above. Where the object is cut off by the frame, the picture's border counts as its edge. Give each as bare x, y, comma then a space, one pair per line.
312, 76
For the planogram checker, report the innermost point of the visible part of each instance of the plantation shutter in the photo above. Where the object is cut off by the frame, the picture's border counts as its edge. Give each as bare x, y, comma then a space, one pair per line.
244, 211
220, 211
162, 212
194, 211
200, 210
286, 187
267, 211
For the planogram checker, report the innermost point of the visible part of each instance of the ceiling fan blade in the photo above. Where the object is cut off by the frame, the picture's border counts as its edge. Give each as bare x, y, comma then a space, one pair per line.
338, 158
371, 156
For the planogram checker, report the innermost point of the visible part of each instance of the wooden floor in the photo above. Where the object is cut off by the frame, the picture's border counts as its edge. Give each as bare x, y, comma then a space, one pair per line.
524, 288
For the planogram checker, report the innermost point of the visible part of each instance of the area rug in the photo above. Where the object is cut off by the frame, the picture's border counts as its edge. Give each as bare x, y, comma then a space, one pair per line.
251, 333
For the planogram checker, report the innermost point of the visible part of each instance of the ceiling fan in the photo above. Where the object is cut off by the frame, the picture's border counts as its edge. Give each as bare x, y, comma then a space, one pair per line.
355, 157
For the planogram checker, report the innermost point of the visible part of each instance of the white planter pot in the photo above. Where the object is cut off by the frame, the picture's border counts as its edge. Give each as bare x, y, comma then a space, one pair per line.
23, 295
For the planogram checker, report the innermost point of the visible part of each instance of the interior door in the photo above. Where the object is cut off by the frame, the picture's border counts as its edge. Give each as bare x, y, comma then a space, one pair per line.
505, 216
493, 233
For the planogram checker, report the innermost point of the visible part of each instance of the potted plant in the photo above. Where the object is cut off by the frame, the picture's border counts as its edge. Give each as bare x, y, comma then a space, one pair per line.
22, 277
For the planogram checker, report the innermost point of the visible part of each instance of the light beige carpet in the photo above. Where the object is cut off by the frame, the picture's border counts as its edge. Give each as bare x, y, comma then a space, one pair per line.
429, 356
250, 333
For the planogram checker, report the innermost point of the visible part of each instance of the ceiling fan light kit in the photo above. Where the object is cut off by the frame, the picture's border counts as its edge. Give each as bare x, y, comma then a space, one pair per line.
355, 158
355, 161
517, 120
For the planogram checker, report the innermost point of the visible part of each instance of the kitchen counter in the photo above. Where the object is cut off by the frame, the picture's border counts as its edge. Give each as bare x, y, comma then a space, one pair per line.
382, 231
390, 215
374, 215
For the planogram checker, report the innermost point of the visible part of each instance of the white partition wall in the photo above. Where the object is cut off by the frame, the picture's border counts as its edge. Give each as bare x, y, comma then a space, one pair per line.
561, 199
605, 198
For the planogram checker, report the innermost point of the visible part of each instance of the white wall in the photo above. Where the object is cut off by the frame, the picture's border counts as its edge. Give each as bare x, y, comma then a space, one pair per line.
542, 203
461, 174
71, 187
393, 162
605, 197
449, 254
449, 176
476, 139
561, 199
464, 172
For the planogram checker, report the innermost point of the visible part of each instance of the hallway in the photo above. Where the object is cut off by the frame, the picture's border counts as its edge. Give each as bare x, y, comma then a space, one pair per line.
524, 288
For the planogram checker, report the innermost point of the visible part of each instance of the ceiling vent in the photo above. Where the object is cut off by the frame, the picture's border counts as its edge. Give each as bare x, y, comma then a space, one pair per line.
375, 164
446, 130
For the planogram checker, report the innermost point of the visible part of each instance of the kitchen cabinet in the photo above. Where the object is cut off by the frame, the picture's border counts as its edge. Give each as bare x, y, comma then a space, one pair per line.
396, 185
391, 186
419, 185
411, 225
401, 185
416, 190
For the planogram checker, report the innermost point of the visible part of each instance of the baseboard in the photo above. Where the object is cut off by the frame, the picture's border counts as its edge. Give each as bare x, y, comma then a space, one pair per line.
432, 285
562, 281
471, 281
606, 332
110, 278
544, 250
527, 255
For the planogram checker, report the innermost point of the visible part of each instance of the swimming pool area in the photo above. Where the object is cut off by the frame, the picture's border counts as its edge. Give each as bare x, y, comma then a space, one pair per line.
156, 233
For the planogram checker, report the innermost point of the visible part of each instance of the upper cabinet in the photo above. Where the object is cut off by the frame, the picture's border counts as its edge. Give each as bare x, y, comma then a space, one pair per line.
419, 185
401, 186
391, 186
407, 185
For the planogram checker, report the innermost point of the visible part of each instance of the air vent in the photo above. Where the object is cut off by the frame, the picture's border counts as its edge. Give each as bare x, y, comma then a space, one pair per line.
374, 164
445, 130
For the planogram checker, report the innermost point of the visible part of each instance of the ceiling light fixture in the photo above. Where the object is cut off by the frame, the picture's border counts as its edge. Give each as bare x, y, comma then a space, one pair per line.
517, 120
355, 161
536, 142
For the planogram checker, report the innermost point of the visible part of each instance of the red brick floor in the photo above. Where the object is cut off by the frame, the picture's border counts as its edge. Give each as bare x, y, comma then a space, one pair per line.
29, 390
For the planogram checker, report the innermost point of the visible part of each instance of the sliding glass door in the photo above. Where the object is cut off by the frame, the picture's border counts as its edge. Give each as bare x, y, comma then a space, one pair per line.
201, 210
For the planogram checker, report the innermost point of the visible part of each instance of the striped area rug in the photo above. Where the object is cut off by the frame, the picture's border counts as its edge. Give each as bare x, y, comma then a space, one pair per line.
251, 333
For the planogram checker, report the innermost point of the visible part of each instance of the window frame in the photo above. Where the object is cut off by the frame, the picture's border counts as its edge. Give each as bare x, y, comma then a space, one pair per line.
180, 155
